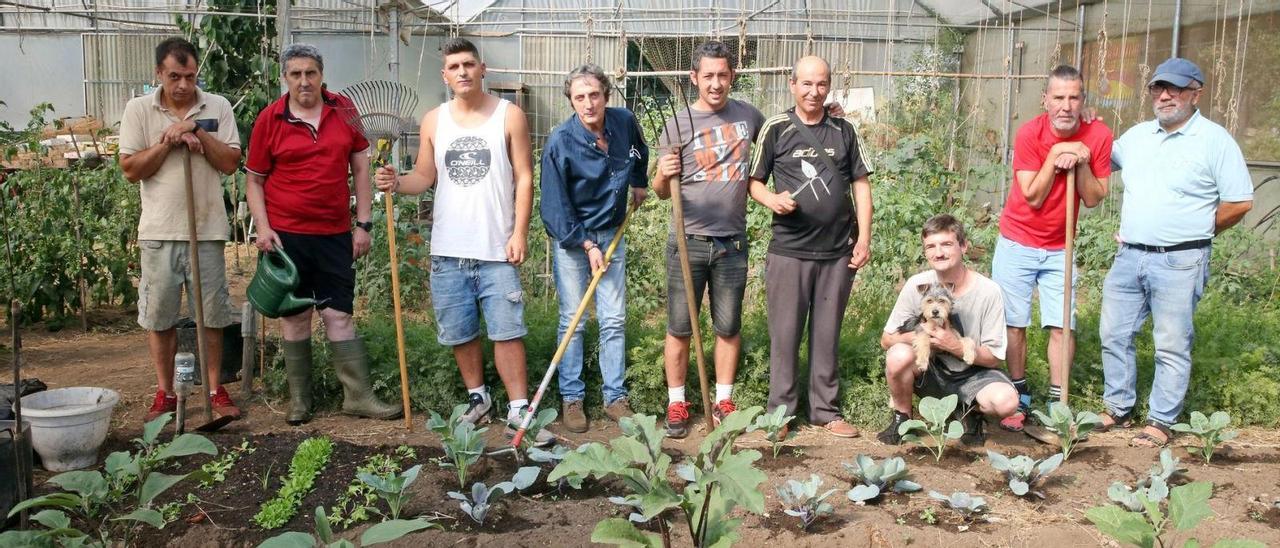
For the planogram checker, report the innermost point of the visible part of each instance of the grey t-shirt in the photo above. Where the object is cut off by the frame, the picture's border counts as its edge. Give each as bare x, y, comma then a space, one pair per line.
717, 148
980, 312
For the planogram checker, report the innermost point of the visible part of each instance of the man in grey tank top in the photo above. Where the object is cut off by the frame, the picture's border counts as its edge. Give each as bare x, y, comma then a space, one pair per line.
475, 150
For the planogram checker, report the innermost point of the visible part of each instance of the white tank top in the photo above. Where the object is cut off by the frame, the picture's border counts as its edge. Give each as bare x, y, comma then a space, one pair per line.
475, 190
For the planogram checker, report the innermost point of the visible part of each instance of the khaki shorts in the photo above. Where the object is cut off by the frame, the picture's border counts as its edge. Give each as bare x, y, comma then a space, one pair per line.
165, 268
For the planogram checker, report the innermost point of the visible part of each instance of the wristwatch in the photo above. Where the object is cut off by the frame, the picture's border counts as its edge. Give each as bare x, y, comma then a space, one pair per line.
366, 225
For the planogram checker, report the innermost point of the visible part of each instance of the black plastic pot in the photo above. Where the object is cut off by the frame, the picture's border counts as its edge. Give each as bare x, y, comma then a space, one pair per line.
9, 479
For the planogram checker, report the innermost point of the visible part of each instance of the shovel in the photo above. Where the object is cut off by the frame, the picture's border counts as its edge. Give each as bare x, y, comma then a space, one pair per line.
210, 423
569, 332
1037, 432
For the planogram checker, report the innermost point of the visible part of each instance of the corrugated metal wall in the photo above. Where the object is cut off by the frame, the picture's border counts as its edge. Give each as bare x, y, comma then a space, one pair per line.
116, 67
773, 94
545, 103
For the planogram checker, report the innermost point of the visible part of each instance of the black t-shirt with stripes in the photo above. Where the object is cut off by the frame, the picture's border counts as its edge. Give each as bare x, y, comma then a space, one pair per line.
823, 226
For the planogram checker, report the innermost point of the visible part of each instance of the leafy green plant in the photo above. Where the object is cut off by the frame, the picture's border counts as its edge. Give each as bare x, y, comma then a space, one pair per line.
1070, 428
875, 479
483, 497
1211, 430
1149, 524
553, 455
463, 443
969, 507
935, 412
308, 461
1167, 468
772, 424
717, 480
1154, 487
1024, 473
543, 419
801, 499
392, 488
114, 503
386, 531
357, 502
217, 468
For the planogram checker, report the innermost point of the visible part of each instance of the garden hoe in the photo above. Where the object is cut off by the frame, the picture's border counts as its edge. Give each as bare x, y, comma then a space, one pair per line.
381, 112
1036, 431
568, 336
210, 423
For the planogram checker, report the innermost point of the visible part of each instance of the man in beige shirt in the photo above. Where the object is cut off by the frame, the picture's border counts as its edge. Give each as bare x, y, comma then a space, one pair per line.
156, 132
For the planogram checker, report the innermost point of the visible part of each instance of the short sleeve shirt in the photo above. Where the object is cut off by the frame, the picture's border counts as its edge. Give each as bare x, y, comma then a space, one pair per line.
1046, 228
164, 193
1173, 182
823, 225
307, 189
716, 151
979, 311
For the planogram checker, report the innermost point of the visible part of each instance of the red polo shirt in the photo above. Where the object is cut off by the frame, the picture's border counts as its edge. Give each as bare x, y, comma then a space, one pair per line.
1046, 228
307, 190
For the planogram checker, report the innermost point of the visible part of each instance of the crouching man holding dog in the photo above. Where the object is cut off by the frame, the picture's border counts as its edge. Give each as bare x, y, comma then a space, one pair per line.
976, 313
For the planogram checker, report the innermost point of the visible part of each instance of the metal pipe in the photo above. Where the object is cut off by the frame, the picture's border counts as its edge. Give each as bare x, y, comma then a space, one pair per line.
1005, 150
393, 51
1177, 24
1079, 35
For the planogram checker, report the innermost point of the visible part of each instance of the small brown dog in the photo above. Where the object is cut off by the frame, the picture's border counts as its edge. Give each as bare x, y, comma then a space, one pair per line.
935, 314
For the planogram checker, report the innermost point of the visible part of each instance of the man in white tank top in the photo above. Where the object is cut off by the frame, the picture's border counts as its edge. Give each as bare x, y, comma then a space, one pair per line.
475, 151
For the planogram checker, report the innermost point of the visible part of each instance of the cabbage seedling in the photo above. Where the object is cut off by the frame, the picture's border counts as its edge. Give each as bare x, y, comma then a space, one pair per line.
1070, 428
1023, 472
875, 479
801, 499
1211, 430
935, 412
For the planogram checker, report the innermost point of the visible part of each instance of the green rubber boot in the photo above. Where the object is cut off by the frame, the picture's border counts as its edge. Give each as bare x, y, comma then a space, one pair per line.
297, 367
352, 365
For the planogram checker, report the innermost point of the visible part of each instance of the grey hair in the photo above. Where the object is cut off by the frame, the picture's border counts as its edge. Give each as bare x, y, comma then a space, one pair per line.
299, 51
589, 70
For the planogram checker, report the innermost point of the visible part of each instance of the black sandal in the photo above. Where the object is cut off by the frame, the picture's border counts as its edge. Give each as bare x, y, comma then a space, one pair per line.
1147, 439
1122, 421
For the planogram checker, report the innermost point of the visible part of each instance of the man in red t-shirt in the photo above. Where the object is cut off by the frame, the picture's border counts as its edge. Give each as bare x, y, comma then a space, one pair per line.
1030, 251
300, 152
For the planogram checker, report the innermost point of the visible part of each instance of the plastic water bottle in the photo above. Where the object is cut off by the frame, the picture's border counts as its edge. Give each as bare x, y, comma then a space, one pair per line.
184, 372
184, 377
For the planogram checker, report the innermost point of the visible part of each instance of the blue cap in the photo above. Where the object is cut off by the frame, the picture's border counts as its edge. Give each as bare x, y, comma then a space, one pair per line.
1179, 72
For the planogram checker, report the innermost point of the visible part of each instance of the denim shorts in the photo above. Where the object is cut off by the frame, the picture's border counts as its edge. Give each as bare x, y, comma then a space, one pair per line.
1019, 270
719, 264
462, 288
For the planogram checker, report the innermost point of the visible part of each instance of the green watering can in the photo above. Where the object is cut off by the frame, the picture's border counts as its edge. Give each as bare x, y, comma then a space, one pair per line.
271, 290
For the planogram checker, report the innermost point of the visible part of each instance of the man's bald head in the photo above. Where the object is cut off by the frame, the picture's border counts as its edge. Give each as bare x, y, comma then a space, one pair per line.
811, 67
810, 83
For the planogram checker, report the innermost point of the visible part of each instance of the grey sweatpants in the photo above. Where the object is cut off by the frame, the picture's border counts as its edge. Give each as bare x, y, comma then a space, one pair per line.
800, 290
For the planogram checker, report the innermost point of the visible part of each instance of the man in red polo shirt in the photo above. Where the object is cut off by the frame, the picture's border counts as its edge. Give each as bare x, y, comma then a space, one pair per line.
299, 156
1033, 227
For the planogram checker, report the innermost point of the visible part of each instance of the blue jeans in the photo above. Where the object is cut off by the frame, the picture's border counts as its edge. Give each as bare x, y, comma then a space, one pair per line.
1167, 287
573, 275
462, 288
1018, 270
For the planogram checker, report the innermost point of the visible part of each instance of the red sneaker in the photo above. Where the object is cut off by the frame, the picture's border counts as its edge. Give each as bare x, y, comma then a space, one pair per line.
678, 420
222, 404
164, 403
721, 410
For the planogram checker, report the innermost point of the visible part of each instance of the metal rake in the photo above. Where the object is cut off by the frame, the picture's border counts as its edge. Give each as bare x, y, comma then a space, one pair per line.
382, 110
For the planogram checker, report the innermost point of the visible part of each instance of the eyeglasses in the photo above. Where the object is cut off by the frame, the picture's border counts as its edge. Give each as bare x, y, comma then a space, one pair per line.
1157, 89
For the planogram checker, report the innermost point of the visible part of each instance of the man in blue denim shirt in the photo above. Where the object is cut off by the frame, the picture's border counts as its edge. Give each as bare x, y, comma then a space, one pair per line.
588, 164
1185, 181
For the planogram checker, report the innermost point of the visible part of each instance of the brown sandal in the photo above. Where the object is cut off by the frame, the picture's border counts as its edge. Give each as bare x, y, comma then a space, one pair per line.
1110, 422
1146, 439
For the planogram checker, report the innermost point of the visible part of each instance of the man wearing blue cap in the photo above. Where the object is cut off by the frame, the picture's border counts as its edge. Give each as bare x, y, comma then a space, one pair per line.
1185, 181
